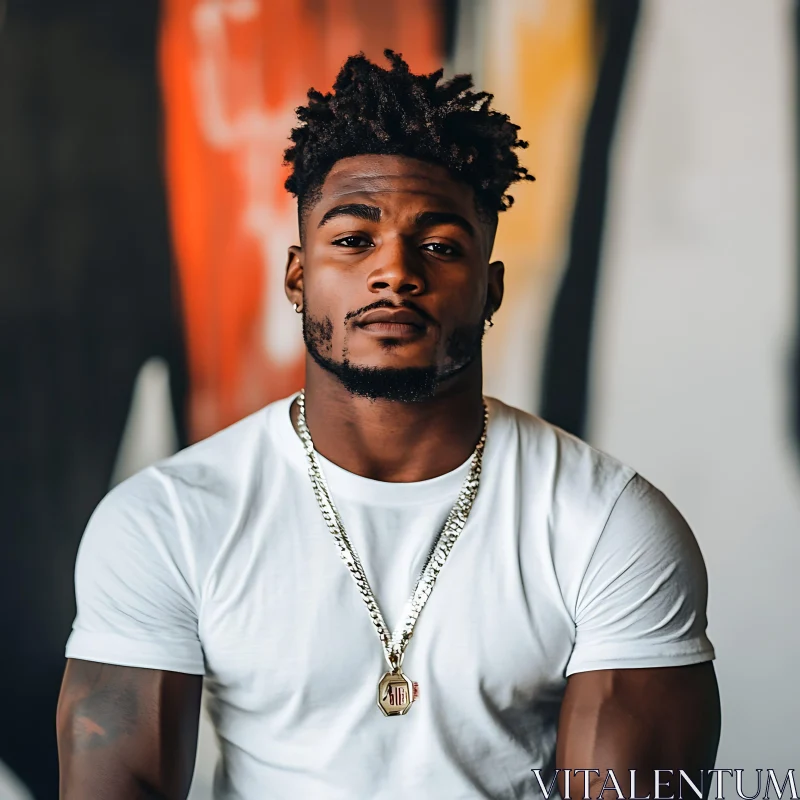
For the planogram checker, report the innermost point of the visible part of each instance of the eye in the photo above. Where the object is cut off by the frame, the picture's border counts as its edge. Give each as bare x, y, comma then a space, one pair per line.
353, 240
441, 249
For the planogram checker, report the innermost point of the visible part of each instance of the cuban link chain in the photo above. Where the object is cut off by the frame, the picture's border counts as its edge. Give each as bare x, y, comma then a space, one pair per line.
394, 644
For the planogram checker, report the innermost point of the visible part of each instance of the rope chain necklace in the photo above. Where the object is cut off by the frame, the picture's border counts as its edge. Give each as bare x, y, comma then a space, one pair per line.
396, 692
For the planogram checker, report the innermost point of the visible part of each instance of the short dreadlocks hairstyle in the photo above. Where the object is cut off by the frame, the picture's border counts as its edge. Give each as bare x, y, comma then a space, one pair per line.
372, 110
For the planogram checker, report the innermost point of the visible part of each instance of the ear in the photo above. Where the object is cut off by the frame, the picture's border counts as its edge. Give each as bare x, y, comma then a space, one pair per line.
495, 287
293, 282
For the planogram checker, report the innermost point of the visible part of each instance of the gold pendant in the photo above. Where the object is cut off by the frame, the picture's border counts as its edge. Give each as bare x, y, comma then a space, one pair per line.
396, 693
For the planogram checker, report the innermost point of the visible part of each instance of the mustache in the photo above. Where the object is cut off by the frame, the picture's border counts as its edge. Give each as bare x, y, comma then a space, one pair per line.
386, 303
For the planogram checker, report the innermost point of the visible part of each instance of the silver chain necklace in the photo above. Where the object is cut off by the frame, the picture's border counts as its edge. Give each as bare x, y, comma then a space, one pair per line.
396, 692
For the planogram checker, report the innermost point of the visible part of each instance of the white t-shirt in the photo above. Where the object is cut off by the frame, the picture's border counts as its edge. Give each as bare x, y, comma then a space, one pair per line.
216, 561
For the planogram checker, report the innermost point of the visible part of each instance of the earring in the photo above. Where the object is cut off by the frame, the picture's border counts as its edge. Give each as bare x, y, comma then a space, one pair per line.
488, 323
296, 308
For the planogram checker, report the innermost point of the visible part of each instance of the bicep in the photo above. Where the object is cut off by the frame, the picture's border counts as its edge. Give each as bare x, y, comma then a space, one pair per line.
127, 733
665, 718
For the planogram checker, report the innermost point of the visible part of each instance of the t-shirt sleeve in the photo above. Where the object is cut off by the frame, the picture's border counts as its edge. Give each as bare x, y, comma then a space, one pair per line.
642, 600
135, 584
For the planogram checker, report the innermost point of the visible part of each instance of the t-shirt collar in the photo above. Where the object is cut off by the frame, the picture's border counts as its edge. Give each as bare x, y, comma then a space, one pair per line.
356, 487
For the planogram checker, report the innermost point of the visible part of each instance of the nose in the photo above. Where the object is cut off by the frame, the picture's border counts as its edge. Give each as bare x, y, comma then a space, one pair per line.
397, 268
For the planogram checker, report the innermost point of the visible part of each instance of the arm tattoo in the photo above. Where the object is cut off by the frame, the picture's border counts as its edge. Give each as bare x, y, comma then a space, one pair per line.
107, 710
127, 732
105, 715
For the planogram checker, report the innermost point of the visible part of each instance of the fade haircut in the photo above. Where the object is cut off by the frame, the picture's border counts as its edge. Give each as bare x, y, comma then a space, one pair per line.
379, 111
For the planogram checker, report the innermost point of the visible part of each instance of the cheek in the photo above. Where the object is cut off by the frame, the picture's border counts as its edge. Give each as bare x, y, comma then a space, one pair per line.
330, 295
462, 300
318, 332
329, 285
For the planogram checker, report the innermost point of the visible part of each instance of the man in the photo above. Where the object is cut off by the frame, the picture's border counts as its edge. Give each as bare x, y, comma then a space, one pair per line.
559, 600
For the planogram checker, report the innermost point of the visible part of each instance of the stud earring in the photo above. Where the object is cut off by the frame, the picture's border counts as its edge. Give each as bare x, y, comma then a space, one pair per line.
488, 323
297, 308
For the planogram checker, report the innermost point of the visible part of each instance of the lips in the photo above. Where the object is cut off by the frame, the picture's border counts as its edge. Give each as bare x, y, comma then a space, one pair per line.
399, 319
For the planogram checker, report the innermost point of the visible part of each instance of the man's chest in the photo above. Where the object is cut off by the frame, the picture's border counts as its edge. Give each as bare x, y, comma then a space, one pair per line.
286, 633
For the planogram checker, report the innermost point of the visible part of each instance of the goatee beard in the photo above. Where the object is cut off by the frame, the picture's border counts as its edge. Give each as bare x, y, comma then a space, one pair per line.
403, 384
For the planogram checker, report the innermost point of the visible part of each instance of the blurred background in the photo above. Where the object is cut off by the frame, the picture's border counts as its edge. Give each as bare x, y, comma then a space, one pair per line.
652, 300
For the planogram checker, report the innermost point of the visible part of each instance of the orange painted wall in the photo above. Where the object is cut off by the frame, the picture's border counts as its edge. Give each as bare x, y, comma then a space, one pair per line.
232, 72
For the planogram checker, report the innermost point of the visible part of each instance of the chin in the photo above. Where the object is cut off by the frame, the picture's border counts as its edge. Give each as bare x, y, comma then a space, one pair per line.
392, 354
400, 384
390, 379
384, 361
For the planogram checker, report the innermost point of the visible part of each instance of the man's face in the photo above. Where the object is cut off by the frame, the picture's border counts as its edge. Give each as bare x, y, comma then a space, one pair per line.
394, 277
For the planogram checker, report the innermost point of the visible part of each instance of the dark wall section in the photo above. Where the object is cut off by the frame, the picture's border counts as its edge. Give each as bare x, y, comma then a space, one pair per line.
565, 384
449, 17
86, 296
795, 369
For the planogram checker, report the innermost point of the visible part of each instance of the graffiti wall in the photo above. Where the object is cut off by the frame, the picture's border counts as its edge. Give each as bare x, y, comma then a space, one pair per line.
651, 303
232, 74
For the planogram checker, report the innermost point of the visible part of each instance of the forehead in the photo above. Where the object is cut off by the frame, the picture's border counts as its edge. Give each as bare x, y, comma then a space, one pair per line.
396, 181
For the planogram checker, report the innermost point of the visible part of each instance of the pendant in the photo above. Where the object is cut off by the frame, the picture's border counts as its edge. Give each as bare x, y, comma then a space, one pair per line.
396, 693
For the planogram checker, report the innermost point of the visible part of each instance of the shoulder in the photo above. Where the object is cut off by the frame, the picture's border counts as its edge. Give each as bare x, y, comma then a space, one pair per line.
225, 455
581, 479
591, 509
644, 524
189, 501
213, 473
643, 593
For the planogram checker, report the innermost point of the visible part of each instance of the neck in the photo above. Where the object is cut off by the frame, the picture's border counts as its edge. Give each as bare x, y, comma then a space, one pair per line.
387, 440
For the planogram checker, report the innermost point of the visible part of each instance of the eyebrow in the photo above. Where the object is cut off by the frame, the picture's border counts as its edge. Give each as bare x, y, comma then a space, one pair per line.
428, 219
425, 219
360, 210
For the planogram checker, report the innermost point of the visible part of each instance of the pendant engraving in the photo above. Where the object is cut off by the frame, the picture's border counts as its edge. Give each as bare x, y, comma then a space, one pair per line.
396, 693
